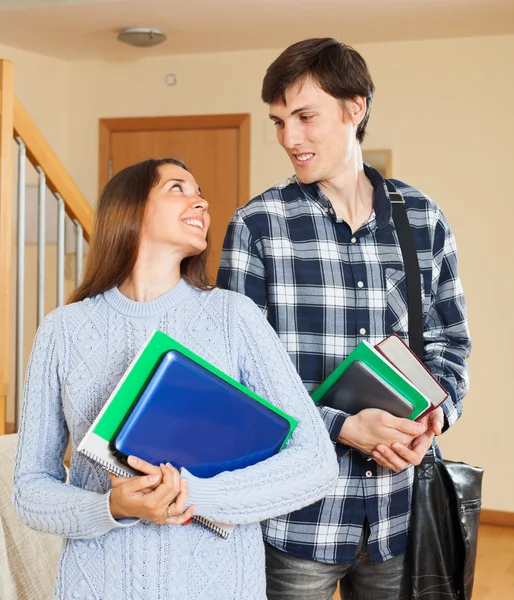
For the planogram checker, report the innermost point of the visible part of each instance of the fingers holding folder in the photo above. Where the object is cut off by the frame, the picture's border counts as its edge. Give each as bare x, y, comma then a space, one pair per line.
159, 495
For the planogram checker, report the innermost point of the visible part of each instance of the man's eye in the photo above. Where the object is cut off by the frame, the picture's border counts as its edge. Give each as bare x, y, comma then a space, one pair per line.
278, 123
306, 117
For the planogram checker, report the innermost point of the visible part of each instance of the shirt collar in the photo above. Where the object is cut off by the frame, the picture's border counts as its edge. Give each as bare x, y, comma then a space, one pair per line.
381, 202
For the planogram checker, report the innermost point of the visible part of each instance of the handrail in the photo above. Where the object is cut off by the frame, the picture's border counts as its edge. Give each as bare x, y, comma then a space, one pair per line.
16, 122
58, 180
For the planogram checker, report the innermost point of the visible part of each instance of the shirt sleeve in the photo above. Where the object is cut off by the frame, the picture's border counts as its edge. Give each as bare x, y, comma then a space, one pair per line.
242, 270
446, 333
42, 498
305, 471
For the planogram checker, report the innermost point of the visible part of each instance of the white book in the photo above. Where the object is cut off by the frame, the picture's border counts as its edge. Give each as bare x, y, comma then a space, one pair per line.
402, 357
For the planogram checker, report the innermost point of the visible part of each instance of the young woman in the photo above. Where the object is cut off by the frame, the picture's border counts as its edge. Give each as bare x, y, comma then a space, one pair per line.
131, 539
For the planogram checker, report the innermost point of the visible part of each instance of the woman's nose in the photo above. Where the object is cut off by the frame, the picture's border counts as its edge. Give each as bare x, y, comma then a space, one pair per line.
200, 203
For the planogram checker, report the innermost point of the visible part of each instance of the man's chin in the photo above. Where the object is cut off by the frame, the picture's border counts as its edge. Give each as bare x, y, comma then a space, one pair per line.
304, 177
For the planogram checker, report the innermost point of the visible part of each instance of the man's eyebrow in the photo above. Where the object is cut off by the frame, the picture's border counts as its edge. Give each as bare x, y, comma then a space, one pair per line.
181, 181
296, 111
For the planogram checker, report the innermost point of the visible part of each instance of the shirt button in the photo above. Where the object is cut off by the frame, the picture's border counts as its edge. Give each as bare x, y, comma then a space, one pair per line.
360, 284
362, 331
369, 474
353, 240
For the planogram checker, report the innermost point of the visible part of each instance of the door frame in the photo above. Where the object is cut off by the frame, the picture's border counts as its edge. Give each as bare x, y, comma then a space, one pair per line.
241, 122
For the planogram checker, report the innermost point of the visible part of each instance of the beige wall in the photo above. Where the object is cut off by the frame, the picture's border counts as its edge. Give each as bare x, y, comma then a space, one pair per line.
41, 84
444, 108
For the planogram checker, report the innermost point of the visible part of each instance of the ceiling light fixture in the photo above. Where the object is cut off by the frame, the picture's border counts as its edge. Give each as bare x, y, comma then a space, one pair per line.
143, 37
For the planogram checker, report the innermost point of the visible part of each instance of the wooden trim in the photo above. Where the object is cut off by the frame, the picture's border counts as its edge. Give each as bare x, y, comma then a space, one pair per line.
3, 415
496, 517
58, 180
177, 123
244, 161
6, 219
104, 154
235, 121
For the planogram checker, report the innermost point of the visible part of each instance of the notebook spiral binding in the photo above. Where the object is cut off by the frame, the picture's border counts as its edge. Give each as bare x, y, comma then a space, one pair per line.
119, 472
105, 464
213, 527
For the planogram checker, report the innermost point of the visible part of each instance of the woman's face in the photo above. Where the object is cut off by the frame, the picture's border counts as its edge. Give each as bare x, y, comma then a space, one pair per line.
176, 216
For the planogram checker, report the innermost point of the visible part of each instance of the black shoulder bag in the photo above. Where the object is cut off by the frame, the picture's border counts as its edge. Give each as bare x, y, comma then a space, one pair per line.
446, 499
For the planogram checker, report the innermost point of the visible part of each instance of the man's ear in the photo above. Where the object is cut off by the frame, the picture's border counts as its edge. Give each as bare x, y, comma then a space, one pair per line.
357, 106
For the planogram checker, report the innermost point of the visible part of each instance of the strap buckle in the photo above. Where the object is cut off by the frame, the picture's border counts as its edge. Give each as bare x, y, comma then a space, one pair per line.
400, 201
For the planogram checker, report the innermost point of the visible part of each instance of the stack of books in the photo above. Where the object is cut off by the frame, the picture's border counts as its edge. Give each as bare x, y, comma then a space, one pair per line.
388, 376
173, 406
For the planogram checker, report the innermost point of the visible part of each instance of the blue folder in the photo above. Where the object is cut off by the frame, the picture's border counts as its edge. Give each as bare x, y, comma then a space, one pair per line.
192, 418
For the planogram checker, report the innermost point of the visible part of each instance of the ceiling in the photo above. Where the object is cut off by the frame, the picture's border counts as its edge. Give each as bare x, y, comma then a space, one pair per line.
87, 29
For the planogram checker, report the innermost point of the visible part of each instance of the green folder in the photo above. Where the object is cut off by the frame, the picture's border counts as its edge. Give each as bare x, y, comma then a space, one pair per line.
95, 444
365, 353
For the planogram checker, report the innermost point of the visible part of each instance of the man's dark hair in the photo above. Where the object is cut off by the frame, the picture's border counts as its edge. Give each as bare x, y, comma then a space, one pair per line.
338, 69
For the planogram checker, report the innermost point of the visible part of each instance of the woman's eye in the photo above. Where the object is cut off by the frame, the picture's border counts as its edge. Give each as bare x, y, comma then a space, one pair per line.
176, 187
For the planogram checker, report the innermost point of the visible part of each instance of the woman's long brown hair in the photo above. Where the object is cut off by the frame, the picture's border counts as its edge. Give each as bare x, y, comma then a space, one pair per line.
117, 232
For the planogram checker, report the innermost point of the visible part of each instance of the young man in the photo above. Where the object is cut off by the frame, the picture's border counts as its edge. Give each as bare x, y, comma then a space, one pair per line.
320, 255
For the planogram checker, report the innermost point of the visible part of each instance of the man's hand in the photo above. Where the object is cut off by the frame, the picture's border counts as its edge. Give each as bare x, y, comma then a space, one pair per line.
400, 456
435, 420
371, 427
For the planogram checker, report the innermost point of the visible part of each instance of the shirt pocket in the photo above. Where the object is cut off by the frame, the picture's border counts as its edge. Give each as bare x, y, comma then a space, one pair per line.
396, 297
397, 314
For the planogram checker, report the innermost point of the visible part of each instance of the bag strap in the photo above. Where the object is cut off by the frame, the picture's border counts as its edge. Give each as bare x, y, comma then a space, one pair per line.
412, 272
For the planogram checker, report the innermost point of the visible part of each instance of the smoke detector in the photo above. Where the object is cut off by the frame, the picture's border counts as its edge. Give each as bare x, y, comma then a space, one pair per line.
142, 37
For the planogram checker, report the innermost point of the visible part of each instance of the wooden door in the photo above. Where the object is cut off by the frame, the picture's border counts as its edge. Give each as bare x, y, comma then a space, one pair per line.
215, 149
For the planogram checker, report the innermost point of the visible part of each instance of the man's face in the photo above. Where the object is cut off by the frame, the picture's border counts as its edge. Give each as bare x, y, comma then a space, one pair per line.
315, 131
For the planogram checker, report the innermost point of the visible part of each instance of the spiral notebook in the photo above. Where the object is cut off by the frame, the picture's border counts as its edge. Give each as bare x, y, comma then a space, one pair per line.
131, 420
192, 418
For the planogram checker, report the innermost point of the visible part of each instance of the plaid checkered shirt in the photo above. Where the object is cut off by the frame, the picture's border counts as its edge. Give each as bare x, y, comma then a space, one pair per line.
324, 289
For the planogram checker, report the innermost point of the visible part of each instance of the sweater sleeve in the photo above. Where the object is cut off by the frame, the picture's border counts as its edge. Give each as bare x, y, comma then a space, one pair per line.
42, 498
305, 471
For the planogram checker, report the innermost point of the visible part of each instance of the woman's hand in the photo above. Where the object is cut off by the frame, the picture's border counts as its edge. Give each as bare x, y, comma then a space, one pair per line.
159, 496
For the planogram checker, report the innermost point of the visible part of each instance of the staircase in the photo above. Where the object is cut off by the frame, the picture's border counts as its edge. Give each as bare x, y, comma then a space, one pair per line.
21, 142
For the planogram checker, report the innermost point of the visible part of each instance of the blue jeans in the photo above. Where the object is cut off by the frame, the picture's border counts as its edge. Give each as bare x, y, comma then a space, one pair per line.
292, 578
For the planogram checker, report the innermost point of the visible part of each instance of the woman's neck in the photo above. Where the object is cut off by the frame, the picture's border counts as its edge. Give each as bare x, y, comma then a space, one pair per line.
154, 275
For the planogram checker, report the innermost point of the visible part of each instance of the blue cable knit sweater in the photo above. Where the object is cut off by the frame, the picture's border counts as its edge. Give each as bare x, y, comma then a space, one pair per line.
79, 355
